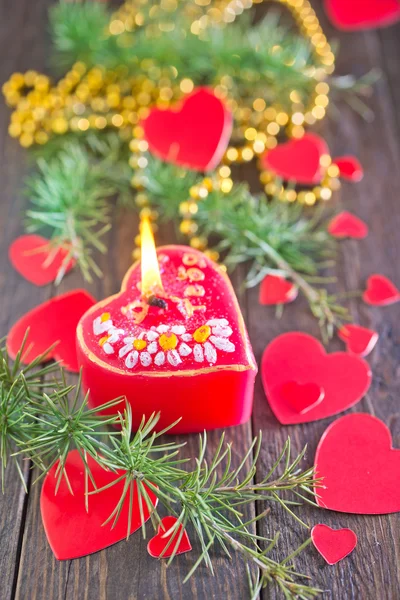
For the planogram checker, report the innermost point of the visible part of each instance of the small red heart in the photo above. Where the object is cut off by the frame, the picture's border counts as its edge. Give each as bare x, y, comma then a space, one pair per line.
380, 291
277, 290
347, 225
362, 14
298, 357
193, 134
34, 258
302, 396
359, 340
157, 546
297, 160
359, 467
71, 531
333, 544
349, 167
53, 321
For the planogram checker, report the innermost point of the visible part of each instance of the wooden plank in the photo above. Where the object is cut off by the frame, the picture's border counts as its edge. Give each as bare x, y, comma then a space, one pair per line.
372, 570
17, 31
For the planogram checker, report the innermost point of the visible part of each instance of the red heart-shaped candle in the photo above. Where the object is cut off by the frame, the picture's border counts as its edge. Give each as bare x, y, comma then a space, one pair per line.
34, 259
297, 160
157, 546
277, 290
194, 133
71, 531
192, 359
52, 322
333, 544
362, 14
380, 291
347, 225
350, 168
359, 467
300, 358
359, 340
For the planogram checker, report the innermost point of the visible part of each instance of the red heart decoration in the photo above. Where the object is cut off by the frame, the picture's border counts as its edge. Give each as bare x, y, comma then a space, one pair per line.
349, 167
71, 531
53, 321
362, 14
359, 467
157, 546
298, 357
302, 397
359, 340
333, 544
380, 291
347, 225
193, 134
34, 259
277, 290
297, 160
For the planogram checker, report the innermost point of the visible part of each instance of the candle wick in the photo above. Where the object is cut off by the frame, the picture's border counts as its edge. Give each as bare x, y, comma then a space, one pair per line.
156, 301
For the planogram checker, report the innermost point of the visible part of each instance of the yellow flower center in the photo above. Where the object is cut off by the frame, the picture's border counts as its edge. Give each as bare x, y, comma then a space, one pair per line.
105, 317
168, 341
103, 340
202, 334
139, 344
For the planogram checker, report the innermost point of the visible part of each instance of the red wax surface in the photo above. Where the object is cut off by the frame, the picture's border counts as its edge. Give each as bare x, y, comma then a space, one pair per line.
199, 367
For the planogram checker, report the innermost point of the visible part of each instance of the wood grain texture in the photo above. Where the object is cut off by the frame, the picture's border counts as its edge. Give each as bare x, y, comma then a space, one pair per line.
125, 570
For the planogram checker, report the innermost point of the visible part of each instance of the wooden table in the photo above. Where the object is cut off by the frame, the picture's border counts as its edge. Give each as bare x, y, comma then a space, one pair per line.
28, 568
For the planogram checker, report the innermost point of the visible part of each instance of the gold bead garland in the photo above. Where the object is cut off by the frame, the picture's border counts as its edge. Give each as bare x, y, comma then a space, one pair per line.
98, 98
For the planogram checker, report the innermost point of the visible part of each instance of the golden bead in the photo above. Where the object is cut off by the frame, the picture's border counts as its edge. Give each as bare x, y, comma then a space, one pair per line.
232, 154
14, 129
137, 182
226, 185
141, 199
333, 171
136, 254
194, 192
188, 227
199, 243
212, 254
207, 183
26, 140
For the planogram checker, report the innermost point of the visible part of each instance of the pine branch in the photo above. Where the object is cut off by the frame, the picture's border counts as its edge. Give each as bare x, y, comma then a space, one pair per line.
68, 202
208, 501
270, 236
264, 60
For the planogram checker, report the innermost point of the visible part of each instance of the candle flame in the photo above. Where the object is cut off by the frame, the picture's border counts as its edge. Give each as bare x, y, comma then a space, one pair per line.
151, 278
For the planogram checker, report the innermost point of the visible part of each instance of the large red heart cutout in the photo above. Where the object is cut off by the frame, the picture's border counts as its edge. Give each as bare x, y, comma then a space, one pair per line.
298, 357
359, 340
333, 544
161, 546
71, 531
380, 291
193, 134
277, 290
347, 225
362, 14
359, 467
297, 160
34, 258
52, 322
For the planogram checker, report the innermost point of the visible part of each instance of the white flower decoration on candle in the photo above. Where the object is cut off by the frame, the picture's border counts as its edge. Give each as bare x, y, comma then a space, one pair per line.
211, 337
102, 324
172, 342
112, 336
